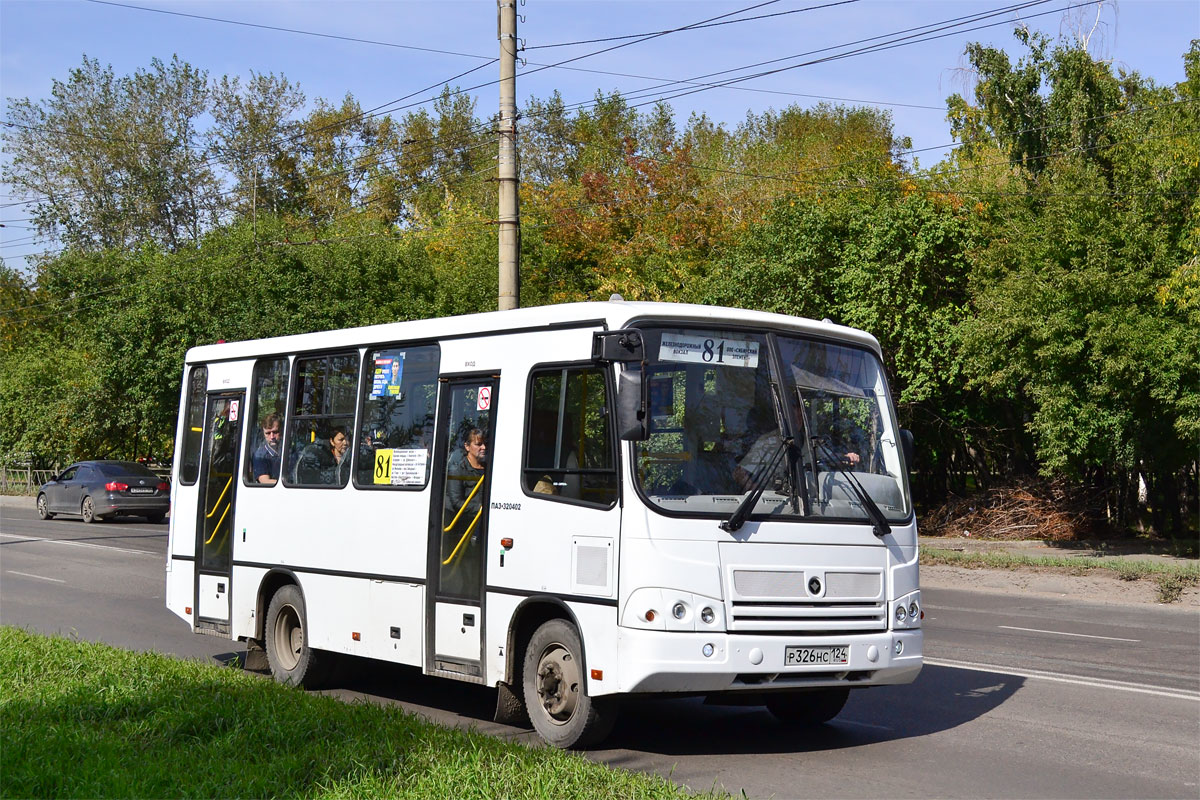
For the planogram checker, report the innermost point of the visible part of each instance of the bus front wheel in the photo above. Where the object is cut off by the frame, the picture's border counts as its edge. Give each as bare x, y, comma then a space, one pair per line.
808, 708
291, 660
556, 695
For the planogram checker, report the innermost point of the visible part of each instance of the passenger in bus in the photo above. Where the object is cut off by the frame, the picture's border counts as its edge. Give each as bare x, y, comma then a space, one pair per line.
463, 473
264, 463
464, 531
321, 462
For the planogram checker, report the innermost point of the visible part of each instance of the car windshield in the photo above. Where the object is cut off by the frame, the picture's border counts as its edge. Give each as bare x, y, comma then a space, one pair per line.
719, 418
126, 469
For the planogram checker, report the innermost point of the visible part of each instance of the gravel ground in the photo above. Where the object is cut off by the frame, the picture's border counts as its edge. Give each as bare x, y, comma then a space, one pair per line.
1095, 586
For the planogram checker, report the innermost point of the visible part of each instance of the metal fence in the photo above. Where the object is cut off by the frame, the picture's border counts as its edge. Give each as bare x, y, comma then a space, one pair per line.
23, 479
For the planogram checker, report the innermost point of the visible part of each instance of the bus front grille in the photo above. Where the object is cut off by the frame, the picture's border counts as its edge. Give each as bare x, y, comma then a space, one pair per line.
811, 619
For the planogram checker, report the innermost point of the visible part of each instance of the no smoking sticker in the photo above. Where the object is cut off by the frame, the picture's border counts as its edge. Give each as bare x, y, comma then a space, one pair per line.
485, 398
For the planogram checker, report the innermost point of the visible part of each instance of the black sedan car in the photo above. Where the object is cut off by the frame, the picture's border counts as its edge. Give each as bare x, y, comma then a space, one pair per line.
99, 490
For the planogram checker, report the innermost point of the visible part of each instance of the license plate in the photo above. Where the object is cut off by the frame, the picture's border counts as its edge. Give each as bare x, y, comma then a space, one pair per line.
816, 656
141, 491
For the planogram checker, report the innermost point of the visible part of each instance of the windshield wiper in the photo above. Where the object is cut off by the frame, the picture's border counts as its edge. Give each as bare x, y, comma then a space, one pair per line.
757, 484
879, 523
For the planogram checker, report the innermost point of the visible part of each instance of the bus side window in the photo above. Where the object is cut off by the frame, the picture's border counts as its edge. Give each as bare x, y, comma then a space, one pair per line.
570, 453
321, 421
395, 435
193, 421
268, 402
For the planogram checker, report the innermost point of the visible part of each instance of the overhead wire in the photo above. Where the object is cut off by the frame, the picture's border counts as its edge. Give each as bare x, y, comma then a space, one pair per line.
692, 27
642, 38
947, 23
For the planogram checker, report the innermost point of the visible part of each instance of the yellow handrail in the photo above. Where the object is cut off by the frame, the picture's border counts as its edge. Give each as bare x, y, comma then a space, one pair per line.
470, 528
217, 527
466, 502
228, 483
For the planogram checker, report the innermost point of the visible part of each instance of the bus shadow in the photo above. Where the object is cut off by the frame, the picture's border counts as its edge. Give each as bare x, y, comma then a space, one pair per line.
942, 698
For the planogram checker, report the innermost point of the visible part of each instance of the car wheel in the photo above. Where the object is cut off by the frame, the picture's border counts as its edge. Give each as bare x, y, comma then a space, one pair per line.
88, 510
43, 511
808, 708
291, 660
154, 519
556, 695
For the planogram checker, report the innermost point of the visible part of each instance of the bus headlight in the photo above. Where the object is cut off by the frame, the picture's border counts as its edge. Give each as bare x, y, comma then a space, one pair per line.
906, 612
677, 611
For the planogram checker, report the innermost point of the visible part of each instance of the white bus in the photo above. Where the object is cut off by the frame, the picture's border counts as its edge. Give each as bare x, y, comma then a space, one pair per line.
575, 504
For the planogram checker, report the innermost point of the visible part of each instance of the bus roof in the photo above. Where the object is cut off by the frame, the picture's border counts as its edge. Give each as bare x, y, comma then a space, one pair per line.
613, 314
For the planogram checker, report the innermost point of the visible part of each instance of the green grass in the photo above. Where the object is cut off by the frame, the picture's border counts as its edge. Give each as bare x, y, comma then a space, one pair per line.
1171, 579
86, 720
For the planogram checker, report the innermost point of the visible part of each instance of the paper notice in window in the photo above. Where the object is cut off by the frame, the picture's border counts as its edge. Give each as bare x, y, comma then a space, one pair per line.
408, 467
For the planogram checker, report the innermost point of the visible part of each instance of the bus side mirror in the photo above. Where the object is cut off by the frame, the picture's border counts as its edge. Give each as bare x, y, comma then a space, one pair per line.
906, 442
632, 407
622, 346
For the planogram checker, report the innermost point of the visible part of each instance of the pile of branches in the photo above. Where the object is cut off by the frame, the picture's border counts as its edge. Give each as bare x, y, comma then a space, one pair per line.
1054, 511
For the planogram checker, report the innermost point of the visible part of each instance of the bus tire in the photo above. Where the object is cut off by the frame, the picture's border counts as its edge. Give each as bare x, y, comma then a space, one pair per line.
43, 509
808, 708
556, 695
88, 510
291, 660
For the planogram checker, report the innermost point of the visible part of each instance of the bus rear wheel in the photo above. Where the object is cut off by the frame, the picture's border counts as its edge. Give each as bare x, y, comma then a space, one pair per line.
808, 708
556, 695
291, 660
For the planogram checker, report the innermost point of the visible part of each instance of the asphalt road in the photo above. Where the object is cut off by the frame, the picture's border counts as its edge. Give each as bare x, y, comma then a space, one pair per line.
1019, 697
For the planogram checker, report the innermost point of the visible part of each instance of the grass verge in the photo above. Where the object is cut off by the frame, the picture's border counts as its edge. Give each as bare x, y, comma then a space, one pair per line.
1170, 579
79, 719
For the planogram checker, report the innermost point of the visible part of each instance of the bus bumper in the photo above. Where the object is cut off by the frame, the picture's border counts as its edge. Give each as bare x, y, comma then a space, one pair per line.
662, 661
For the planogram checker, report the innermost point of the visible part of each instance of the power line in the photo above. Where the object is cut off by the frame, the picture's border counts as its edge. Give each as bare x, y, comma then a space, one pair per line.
289, 30
692, 27
894, 39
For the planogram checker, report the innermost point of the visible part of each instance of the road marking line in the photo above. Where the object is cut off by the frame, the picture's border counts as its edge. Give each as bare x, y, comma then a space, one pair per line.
864, 725
1058, 677
79, 544
1064, 633
39, 577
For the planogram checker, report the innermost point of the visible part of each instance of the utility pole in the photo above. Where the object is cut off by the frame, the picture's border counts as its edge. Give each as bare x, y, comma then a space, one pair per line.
509, 217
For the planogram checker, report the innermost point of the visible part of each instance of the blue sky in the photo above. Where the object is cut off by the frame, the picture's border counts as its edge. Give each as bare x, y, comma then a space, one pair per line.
42, 40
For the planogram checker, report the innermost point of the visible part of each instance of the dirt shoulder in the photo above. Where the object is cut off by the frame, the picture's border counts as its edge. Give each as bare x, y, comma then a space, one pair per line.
1092, 586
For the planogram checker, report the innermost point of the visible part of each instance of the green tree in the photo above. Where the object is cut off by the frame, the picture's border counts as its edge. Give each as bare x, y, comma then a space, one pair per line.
1070, 320
111, 162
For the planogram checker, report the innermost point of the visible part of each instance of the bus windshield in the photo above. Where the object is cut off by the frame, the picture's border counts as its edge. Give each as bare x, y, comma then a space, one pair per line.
807, 421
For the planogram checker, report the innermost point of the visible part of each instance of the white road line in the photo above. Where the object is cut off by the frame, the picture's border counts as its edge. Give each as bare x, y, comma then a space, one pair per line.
1058, 677
39, 577
863, 724
1064, 633
78, 544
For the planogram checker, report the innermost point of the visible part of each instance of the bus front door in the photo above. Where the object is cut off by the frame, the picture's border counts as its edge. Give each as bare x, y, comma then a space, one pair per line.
218, 491
458, 523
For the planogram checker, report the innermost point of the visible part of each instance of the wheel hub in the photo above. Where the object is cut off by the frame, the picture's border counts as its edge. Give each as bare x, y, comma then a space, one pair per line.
558, 685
